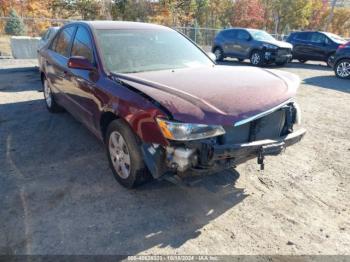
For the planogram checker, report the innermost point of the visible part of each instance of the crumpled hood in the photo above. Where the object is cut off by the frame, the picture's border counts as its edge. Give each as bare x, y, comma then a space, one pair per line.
219, 95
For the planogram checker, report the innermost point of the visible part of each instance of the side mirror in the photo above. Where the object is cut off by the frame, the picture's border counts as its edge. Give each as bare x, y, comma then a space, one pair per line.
80, 62
211, 56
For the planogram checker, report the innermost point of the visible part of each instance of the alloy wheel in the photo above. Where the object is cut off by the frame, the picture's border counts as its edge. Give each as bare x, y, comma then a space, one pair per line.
343, 69
119, 154
255, 59
218, 54
47, 94
330, 61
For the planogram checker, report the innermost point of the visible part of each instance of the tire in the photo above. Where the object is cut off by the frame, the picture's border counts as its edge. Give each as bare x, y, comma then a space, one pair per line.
50, 102
124, 155
219, 54
330, 60
342, 69
256, 58
282, 63
302, 61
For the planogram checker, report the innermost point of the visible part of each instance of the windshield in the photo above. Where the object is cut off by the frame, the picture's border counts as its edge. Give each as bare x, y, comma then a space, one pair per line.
261, 35
335, 38
133, 50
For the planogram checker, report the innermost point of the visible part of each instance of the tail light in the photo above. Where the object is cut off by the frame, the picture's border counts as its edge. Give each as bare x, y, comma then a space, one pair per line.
344, 45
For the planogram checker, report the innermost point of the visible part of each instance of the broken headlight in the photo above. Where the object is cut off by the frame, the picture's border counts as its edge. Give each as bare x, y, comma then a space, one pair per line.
185, 131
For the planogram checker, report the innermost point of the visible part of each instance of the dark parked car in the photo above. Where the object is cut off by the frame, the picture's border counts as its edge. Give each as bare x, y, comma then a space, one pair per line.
316, 46
161, 105
256, 45
342, 61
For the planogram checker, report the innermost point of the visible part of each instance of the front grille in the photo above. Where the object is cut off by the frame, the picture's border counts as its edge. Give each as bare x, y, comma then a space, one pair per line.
284, 51
267, 127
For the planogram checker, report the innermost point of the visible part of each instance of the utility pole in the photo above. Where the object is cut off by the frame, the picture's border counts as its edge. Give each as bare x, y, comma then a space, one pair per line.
330, 17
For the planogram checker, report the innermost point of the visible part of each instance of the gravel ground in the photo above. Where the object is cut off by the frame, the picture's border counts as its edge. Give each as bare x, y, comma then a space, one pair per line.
58, 196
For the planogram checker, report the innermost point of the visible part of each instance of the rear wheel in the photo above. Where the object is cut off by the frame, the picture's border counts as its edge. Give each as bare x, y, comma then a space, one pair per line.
342, 69
330, 60
219, 54
124, 155
256, 58
50, 102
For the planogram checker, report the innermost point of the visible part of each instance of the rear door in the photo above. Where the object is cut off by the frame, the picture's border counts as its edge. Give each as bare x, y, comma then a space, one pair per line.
56, 64
229, 42
243, 44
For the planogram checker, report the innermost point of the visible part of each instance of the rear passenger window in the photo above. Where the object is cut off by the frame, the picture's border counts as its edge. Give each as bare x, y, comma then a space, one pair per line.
229, 34
82, 45
62, 42
302, 36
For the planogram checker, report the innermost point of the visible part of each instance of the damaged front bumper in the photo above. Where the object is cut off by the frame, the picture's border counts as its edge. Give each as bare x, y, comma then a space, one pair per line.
207, 156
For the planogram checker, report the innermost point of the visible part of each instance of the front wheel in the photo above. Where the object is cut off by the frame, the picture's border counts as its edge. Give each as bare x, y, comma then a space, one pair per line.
219, 54
124, 155
256, 58
342, 69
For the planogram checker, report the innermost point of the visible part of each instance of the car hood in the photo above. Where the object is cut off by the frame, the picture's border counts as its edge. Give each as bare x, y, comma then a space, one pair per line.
220, 95
280, 44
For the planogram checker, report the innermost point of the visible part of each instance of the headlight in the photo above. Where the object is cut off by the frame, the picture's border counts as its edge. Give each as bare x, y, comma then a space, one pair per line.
184, 131
268, 46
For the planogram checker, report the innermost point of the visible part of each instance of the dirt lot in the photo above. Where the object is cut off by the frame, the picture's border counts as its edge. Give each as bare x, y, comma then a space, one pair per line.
58, 196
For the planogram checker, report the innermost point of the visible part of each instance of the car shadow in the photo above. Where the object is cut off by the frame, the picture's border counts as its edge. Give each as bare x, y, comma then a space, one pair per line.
20, 79
329, 82
58, 194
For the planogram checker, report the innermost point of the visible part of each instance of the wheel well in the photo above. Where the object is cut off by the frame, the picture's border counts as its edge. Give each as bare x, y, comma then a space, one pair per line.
216, 47
42, 77
341, 60
105, 120
253, 50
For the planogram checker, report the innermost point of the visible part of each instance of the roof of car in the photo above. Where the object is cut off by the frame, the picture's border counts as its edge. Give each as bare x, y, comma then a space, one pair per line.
122, 25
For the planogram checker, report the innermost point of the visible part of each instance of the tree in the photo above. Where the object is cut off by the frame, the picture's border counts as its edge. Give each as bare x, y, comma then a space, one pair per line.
14, 26
248, 13
318, 15
340, 23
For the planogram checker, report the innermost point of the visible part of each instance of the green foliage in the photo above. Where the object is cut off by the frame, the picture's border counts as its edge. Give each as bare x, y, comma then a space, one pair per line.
14, 26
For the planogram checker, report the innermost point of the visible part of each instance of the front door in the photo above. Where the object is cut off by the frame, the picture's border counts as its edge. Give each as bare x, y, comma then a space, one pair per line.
83, 88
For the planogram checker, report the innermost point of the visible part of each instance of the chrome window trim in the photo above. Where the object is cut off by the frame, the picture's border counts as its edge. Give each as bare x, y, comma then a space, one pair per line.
262, 114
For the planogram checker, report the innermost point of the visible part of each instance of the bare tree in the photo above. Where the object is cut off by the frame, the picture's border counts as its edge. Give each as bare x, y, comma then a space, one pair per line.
331, 14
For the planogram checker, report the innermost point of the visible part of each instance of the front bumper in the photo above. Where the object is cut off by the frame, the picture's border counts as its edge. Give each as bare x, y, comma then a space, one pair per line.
204, 157
238, 153
275, 56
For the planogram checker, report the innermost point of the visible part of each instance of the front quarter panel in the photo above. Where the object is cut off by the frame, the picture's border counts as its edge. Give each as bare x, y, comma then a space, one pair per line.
135, 109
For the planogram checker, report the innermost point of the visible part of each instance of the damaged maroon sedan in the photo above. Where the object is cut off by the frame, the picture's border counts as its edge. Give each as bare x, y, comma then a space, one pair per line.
162, 107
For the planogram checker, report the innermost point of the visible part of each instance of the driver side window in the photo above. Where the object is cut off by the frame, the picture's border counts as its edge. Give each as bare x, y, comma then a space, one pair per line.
82, 45
242, 35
